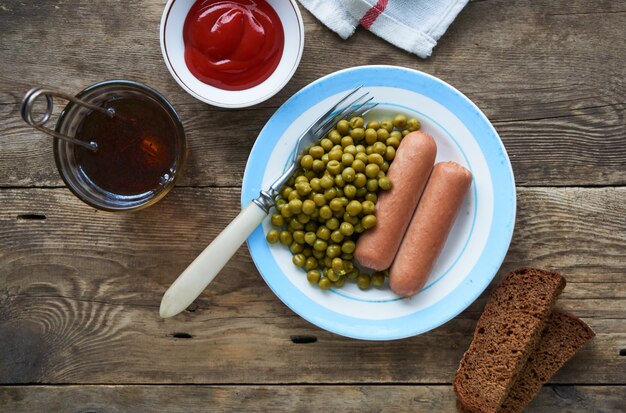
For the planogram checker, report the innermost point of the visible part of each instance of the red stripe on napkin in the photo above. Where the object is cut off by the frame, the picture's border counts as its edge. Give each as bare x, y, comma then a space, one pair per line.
372, 14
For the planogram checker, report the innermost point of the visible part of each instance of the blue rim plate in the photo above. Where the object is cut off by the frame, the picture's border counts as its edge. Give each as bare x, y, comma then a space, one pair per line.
477, 243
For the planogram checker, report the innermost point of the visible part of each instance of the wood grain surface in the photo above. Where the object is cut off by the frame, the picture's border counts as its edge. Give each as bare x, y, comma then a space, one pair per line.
80, 288
548, 74
294, 398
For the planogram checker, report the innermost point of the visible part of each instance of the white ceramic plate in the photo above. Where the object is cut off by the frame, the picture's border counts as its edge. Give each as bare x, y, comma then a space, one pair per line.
479, 239
173, 49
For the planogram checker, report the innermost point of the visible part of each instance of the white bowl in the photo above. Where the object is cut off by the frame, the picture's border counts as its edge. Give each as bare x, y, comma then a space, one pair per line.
173, 49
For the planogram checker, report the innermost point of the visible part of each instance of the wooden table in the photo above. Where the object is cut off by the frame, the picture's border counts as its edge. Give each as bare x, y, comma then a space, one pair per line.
80, 288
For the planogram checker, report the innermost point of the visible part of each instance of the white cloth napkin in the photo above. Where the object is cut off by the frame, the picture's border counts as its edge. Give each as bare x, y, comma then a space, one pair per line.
413, 25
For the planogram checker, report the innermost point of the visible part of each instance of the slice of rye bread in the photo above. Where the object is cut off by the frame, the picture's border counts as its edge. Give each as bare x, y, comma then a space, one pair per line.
563, 336
506, 333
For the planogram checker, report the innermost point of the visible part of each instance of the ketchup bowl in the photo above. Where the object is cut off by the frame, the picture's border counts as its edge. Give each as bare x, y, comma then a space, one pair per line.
232, 53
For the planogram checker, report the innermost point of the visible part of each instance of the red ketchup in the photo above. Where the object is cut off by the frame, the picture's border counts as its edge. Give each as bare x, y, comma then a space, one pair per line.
232, 44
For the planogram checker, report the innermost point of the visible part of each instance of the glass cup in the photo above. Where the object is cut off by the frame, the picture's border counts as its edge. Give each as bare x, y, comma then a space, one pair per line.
64, 146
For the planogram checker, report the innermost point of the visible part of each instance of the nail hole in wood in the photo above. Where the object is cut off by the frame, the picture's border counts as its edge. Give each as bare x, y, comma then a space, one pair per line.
181, 335
303, 339
32, 217
622, 352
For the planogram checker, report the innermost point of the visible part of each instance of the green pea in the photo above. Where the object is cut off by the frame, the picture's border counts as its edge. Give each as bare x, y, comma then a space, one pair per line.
332, 224
358, 165
373, 124
303, 188
302, 217
347, 141
333, 167
387, 124
295, 206
320, 245
294, 224
393, 141
357, 134
382, 135
377, 279
336, 236
324, 283
310, 264
371, 170
339, 181
319, 200
390, 153
354, 208
310, 238
326, 144
296, 248
399, 121
334, 136
330, 193
333, 251
286, 191
272, 236
343, 126
299, 260
360, 192
326, 181
348, 247
323, 233
384, 183
293, 195
337, 264
361, 156
316, 151
360, 179
368, 221
351, 149
334, 155
353, 274
368, 150
363, 281
347, 257
308, 207
359, 149
346, 229
379, 148
318, 165
384, 167
298, 236
358, 228
286, 212
313, 276
413, 124
347, 266
348, 174
335, 204
356, 122
332, 275
307, 252
277, 220
368, 207
347, 159
375, 158
405, 132
350, 219
349, 191
327, 261
370, 196
319, 254
311, 226
326, 212
286, 238
306, 162
371, 136
372, 185
324, 160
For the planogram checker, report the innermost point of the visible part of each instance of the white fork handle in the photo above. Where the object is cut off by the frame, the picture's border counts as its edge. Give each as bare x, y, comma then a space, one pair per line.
190, 284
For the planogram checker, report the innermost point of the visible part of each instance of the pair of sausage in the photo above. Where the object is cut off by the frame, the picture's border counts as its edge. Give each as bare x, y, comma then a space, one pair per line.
409, 237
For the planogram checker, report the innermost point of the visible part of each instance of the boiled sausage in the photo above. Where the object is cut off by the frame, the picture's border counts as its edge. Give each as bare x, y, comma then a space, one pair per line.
429, 228
408, 173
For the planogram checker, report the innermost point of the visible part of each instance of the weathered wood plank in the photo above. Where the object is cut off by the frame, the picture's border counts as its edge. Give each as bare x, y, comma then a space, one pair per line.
80, 289
294, 398
549, 74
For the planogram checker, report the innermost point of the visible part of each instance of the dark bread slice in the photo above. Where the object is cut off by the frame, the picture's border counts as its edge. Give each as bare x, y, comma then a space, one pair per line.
563, 336
507, 332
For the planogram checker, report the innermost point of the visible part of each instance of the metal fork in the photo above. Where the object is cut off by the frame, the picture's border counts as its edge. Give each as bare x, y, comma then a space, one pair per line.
190, 284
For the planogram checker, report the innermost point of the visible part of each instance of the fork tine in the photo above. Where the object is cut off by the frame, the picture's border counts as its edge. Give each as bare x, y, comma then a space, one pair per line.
341, 114
356, 110
323, 117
